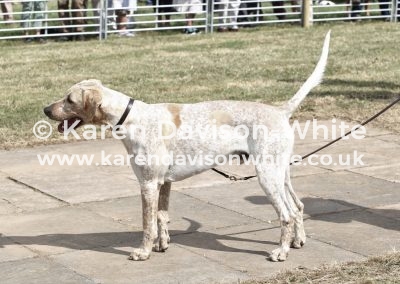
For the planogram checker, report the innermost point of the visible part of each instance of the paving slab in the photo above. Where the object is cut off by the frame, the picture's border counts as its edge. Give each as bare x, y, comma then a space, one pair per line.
248, 170
177, 265
11, 251
17, 198
349, 189
314, 130
376, 132
389, 211
186, 213
389, 138
64, 229
7, 208
113, 147
361, 231
233, 197
97, 181
94, 147
76, 185
389, 172
247, 248
375, 152
371, 146
247, 198
208, 178
84, 184
23, 159
70, 183
40, 271
326, 130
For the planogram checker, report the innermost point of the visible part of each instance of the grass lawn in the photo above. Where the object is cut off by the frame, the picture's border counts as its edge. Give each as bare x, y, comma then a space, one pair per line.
266, 64
381, 269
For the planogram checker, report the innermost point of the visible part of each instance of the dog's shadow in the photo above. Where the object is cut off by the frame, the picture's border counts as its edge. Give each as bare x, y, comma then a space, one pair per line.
358, 213
360, 89
110, 242
357, 89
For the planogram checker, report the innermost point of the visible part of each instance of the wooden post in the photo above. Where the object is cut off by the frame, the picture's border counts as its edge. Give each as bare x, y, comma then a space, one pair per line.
306, 14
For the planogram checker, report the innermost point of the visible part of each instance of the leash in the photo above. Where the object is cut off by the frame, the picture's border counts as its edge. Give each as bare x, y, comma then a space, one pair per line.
235, 178
232, 177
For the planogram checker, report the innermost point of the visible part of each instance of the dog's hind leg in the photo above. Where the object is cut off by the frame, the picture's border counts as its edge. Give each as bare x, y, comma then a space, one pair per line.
299, 234
149, 193
163, 218
271, 178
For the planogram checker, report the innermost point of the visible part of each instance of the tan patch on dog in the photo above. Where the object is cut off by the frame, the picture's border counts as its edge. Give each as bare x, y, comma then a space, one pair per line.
100, 117
91, 105
175, 111
220, 117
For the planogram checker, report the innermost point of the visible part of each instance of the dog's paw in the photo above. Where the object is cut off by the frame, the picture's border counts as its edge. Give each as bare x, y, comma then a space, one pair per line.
279, 254
160, 247
299, 239
139, 254
162, 242
298, 242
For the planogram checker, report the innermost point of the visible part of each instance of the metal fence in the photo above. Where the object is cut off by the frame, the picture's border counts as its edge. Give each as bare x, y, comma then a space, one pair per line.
80, 19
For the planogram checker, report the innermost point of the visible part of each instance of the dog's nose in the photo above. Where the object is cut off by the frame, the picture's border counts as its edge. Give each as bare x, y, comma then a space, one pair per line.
47, 111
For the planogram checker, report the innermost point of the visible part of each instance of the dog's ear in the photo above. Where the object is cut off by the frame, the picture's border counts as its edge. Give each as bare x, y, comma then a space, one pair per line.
91, 98
94, 82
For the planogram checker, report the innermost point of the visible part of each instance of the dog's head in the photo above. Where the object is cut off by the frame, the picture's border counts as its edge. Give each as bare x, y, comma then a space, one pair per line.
82, 102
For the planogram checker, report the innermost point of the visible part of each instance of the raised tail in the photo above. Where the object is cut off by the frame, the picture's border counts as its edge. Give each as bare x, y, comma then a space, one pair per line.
312, 81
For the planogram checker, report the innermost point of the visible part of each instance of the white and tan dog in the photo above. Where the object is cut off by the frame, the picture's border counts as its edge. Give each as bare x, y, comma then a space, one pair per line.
92, 103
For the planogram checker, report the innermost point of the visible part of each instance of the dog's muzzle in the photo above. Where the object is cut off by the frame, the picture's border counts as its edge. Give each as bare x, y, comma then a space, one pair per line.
48, 111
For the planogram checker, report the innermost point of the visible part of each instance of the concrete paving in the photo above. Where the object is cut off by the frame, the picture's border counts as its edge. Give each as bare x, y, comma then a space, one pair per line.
78, 224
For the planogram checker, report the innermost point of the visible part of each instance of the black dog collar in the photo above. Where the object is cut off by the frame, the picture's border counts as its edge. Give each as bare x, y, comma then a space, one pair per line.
126, 112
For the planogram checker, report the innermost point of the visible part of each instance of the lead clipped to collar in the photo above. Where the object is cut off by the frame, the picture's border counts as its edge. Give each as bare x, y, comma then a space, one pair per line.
126, 112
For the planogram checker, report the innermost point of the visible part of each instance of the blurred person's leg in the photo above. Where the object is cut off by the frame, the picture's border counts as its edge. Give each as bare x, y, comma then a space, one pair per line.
26, 17
278, 9
130, 7
384, 6
223, 14
398, 11
233, 14
122, 20
7, 10
356, 9
63, 6
39, 6
122, 23
26, 14
80, 6
96, 4
111, 21
294, 4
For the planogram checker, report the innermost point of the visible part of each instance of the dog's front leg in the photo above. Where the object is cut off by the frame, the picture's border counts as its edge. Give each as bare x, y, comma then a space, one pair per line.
163, 218
149, 192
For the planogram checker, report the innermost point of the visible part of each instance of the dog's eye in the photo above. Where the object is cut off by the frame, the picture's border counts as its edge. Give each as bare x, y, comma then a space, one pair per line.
69, 100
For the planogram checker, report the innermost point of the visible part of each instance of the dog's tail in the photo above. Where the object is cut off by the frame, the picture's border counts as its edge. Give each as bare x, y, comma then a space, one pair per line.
312, 81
